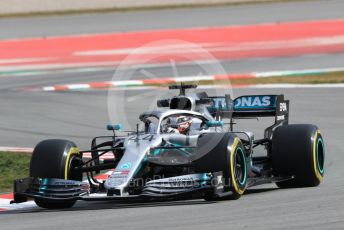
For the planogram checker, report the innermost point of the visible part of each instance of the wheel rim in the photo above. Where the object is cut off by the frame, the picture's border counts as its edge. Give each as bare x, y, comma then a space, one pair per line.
240, 166
75, 161
320, 154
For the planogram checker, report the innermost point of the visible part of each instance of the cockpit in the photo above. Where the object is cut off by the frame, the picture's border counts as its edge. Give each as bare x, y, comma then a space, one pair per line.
179, 122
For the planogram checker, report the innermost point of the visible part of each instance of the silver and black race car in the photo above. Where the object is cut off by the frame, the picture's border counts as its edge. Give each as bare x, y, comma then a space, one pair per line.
186, 148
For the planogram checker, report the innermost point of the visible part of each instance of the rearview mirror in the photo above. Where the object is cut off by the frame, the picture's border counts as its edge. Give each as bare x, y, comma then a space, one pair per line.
114, 127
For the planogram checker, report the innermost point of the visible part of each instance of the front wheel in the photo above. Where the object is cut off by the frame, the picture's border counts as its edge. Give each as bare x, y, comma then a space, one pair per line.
237, 168
55, 159
52, 204
224, 152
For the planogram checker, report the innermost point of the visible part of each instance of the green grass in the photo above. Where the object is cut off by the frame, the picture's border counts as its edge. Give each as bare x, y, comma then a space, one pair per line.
12, 166
322, 78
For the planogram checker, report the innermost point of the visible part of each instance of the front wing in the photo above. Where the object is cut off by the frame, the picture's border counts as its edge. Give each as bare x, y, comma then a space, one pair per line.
59, 189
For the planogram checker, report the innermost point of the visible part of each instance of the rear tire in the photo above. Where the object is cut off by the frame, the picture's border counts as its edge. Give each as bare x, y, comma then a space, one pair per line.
299, 151
54, 159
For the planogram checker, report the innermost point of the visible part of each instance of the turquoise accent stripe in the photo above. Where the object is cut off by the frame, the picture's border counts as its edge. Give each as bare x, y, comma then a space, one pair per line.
241, 152
320, 167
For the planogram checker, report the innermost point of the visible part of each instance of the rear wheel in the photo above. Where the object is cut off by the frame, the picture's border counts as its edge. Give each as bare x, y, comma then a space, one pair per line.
55, 159
299, 151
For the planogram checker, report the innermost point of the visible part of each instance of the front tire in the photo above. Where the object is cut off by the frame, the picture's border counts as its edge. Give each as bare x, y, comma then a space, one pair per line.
237, 167
54, 159
299, 151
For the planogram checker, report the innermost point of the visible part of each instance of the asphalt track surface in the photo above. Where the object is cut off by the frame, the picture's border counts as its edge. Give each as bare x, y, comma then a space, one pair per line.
263, 208
171, 18
26, 118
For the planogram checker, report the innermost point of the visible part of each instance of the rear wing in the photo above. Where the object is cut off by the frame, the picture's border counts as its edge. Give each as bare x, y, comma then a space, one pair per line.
250, 106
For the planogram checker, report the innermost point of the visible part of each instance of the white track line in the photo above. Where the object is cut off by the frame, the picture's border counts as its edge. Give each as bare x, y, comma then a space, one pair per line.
16, 149
271, 86
159, 81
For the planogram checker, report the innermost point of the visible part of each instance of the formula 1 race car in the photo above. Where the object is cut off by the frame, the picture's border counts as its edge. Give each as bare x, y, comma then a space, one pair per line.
183, 149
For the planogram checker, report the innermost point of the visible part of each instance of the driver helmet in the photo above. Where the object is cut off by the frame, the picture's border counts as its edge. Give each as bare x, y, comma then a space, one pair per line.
184, 124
